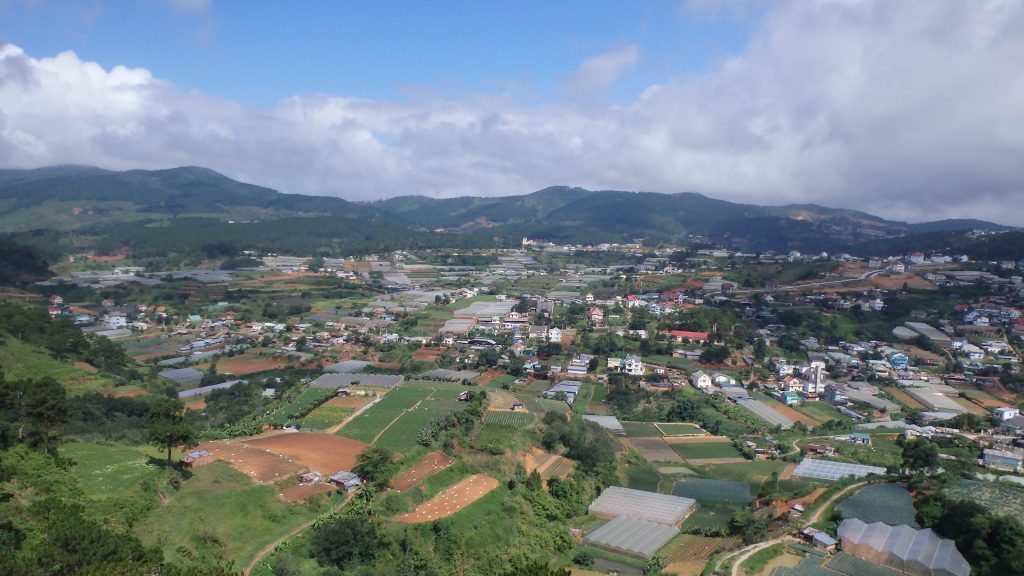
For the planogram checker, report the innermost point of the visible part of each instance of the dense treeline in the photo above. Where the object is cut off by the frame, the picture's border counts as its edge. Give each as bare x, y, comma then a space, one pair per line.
992, 543
1004, 246
19, 263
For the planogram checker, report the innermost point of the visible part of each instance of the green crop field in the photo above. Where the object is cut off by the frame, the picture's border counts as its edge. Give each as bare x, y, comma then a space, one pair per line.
679, 429
820, 411
402, 434
323, 417
754, 471
296, 409
699, 450
711, 515
706, 490
642, 477
499, 427
889, 503
641, 429
996, 497
104, 470
367, 425
221, 511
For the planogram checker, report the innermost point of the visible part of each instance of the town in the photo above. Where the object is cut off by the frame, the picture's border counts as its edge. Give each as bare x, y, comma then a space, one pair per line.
615, 408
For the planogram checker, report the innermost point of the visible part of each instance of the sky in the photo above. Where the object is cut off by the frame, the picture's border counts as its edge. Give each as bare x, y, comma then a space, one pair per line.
910, 110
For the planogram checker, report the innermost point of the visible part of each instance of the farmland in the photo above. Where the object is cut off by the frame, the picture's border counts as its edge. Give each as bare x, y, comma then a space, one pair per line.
889, 503
641, 429
997, 497
710, 515
754, 471
293, 411
323, 417
705, 490
706, 450
500, 427
369, 424
819, 411
678, 429
401, 434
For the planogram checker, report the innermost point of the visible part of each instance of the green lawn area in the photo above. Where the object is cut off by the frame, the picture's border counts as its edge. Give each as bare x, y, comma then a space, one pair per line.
754, 471
641, 429
22, 361
498, 382
600, 393
104, 470
679, 429
698, 450
881, 452
820, 411
221, 511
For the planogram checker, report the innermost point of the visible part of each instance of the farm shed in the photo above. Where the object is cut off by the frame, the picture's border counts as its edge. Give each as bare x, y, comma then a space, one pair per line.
829, 470
916, 552
568, 387
184, 377
347, 481
935, 401
607, 422
617, 501
632, 536
347, 380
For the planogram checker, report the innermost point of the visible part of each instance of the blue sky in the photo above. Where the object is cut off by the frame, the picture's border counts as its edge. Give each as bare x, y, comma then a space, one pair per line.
260, 52
909, 110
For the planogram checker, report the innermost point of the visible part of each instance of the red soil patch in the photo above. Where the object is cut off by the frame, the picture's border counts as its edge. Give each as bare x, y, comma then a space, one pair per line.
195, 404
453, 499
356, 402
324, 453
548, 465
300, 492
487, 376
240, 365
271, 458
431, 464
793, 414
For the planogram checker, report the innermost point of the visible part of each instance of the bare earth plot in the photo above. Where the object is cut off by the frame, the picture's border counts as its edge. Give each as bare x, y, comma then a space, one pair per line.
653, 449
548, 465
271, 458
453, 499
498, 400
299, 492
430, 464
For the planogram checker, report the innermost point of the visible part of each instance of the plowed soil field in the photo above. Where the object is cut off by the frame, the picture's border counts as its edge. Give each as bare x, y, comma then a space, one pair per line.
453, 499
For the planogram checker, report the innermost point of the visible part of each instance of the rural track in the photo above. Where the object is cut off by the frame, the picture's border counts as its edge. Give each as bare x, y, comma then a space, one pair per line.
273, 545
404, 412
817, 513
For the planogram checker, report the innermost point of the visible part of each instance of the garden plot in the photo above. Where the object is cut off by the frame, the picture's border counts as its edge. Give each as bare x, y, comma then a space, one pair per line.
706, 451
547, 465
679, 429
451, 500
500, 427
295, 410
653, 449
705, 490
370, 423
996, 497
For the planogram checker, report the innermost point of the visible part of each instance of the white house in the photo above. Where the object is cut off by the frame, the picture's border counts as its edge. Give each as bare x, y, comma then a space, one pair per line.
116, 320
700, 380
632, 365
554, 334
1005, 412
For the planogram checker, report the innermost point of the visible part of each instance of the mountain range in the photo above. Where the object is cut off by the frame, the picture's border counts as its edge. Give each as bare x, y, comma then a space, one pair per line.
145, 212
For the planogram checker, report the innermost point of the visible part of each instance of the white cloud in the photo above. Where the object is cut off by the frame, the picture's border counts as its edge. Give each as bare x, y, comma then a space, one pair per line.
598, 74
907, 110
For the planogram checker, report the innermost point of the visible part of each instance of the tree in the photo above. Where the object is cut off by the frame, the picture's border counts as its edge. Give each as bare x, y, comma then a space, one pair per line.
920, 455
346, 542
375, 467
655, 564
167, 427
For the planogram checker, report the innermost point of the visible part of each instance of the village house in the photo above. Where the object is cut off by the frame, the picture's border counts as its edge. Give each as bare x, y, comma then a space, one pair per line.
596, 315
700, 380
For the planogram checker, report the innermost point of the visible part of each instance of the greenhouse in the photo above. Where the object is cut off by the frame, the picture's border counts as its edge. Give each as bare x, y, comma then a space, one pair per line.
829, 470
650, 506
916, 552
632, 536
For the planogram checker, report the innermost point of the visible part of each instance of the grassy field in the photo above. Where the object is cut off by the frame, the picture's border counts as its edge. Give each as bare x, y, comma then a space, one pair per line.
21, 361
758, 560
710, 515
820, 411
323, 417
706, 490
754, 471
699, 450
642, 477
220, 511
881, 452
104, 470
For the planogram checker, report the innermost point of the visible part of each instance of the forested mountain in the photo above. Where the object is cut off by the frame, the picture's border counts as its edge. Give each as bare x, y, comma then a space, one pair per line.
199, 211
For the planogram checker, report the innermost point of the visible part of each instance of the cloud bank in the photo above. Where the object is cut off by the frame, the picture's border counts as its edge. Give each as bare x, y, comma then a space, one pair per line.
911, 110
